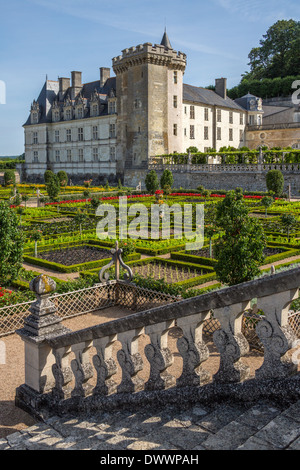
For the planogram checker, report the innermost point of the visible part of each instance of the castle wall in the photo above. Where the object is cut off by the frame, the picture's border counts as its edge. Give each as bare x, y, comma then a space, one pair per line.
216, 180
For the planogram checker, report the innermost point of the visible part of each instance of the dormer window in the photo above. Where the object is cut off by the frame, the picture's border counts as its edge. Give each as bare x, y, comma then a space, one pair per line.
68, 114
95, 110
80, 113
56, 116
34, 118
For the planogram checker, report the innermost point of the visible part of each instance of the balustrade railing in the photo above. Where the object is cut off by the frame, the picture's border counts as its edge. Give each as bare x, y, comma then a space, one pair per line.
75, 370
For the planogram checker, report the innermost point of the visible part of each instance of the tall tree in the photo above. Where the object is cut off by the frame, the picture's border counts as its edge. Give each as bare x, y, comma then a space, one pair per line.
239, 250
278, 54
11, 245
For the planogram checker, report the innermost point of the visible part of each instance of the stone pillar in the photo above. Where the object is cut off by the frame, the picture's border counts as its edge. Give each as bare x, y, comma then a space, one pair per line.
40, 325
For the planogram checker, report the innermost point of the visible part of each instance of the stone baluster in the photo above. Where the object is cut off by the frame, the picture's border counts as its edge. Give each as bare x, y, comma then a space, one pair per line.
62, 373
193, 350
82, 369
159, 356
105, 366
276, 335
231, 343
130, 361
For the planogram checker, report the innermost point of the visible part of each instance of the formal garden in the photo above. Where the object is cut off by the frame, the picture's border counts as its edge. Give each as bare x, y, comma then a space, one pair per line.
245, 235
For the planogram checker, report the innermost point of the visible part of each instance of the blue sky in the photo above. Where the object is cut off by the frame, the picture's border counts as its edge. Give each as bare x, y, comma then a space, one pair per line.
54, 37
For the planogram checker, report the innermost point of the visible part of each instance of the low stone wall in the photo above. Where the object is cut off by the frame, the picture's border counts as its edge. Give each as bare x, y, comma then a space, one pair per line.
218, 179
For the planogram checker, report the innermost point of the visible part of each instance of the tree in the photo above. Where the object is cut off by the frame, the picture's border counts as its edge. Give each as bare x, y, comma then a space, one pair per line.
53, 187
275, 182
36, 236
267, 202
48, 175
166, 179
239, 249
9, 177
278, 54
11, 245
63, 178
151, 182
288, 221
25, 198
79, 219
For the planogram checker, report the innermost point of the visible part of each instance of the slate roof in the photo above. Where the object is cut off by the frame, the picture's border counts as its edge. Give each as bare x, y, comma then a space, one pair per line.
50, 91
209, 97
269, 110
166, 41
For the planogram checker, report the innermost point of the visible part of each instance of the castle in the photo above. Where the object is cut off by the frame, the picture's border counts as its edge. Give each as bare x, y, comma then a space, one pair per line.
109, 128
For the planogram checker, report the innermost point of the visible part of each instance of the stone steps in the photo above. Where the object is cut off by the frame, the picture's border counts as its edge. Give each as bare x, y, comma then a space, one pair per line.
217, 427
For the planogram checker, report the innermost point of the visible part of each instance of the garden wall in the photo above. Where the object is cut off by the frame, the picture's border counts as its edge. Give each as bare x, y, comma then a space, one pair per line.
217, 180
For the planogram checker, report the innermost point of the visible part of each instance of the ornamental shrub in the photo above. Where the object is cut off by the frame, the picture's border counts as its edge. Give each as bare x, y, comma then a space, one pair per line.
151, 182
48, 175
275, 182
166, 179
9, 177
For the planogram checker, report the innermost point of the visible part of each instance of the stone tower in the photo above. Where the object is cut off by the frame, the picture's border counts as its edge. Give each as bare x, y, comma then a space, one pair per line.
149, 83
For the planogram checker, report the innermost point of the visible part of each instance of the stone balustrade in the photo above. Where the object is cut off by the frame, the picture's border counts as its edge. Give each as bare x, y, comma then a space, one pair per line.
76, 370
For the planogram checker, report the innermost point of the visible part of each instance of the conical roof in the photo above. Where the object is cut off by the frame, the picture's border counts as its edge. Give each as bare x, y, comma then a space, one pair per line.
166, 41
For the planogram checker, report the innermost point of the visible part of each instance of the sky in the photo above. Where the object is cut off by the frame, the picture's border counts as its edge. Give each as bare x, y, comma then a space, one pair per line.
54, 37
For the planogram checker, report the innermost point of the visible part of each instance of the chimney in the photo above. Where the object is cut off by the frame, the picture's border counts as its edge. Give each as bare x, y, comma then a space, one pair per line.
104, 75
76, 79
221, 87
64, 84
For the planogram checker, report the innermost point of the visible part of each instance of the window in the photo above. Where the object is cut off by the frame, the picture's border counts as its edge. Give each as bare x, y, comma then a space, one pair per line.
69, 156
251, 120
112, 107
35, 137
80, 113
206, 118
35, 157
112, 131
35, 118
56, 136
175, 101
95, 109
192, 112
231, 135
230, 117
185, 110
174, 129
192, 132
205, 133
219, 133
219, 115
68, 135
185, 131
241, 135
95, 154
80, 155
56, 116
175, 76
95, 132
68, 114
241, 119
80, 133
57, 156
112, 153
